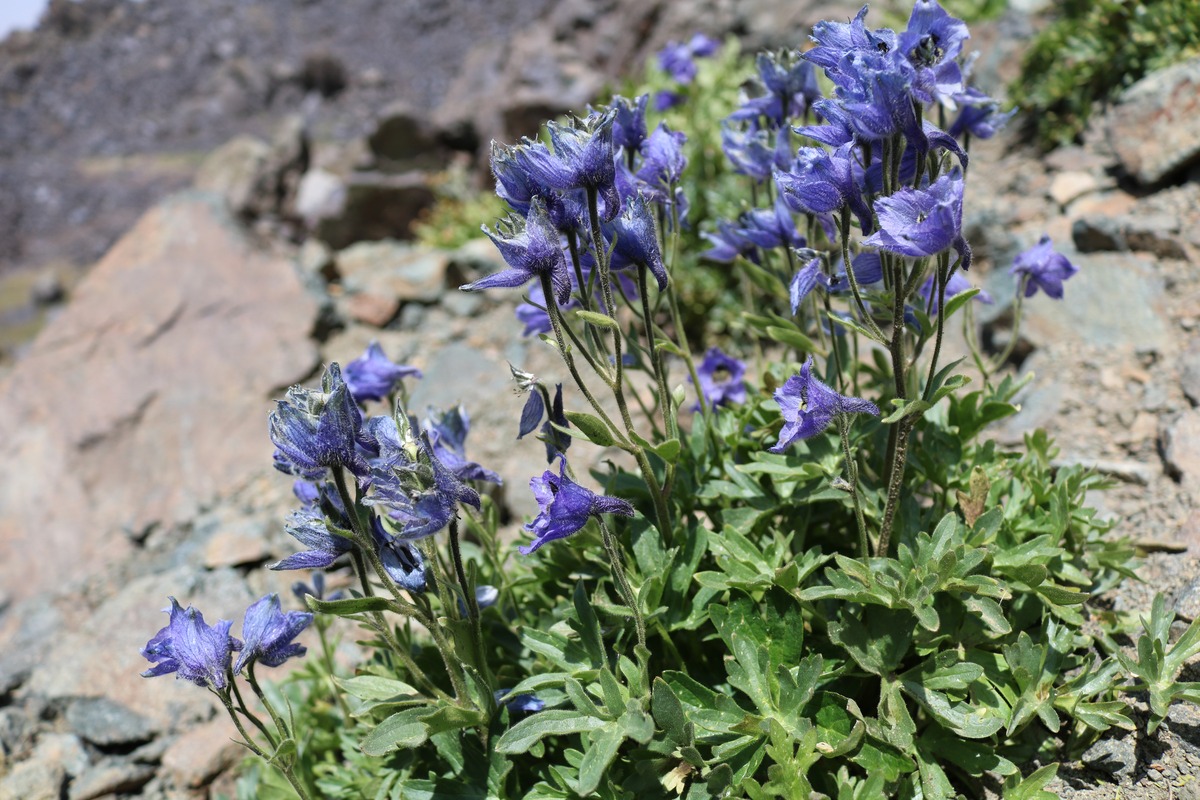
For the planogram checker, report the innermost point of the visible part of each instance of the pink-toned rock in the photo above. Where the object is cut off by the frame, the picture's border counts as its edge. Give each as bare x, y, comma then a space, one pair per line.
1181, 448
233, 547
1155, 128
372, 309
202, 753
147, 397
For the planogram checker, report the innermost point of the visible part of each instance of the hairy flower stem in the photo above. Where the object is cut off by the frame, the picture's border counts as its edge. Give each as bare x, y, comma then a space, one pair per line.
281, 725
618, 388
360, 566
593, 336
864, 544
626, 591
844, 235
258, 723
942, 277
287, 769
1002, 359
556, 324
469, 600
669, 417
899, 454
327, 659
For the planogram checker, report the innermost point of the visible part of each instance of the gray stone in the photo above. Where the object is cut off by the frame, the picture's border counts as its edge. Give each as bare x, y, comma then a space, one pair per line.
1158, 234
394, 270
16, 728
110, 777
47, 289
1181, 448
462, 304
1186, 601
315, 260
411, 317
1098, 234
233, 171
1115, 300
197, 756
1155, 127
64, 749
1117, 757
404, 136
321, 195
33, 780
1189, 373
377, 206
106, 723
1068, 186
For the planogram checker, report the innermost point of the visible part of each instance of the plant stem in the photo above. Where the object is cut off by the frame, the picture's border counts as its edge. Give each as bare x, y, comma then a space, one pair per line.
942, 279
899, 457
622, 580
844, 233
469, 599
864, 543
1012, 340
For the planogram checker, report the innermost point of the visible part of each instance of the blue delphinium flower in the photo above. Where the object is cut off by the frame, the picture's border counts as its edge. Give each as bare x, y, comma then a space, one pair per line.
1040, 267
808, 406
750, 151
309, 527
267, 633
401, 560
373, 376
835, 40
665, 100
932, 43
564, 507
789, 86
519, 703
448, 434
193, 650
301, 589
722, 378
582, 158
629, 127
678, 60
411, 485
982, 119
820, 182
804, 281
531, 248
314, 431
729, 242
531, 413
634, 240
771, 228
923, 222
663, 161
957, 284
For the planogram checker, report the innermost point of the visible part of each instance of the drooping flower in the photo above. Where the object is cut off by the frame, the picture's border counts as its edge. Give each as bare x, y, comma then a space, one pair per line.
448, 434
663, 161
983, 119
835, 40
309, 527
193, 650
721, 378
531, 413
804, 281
564, 507
519, 703
373, 376
1041, 267
410, 483
301, 589
957, 284
665, 100
678, 60
531, 248
771, 228
789, 85
923, 222
820, 182
402, 561
808, 406
267, 633
729, 242
634, 240
932, 43
314, 431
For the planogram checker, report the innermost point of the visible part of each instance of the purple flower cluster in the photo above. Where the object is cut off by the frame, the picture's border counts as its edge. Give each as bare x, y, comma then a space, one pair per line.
564, 507
808, 406
202, 653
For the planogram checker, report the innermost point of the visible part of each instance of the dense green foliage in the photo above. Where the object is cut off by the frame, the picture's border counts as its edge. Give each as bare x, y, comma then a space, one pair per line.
1092, 50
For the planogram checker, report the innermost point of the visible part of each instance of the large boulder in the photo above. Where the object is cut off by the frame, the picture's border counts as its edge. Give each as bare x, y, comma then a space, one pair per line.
147, 397
1155, 128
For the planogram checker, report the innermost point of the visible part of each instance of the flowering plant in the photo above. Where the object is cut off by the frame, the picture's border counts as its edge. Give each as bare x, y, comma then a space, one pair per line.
813, 577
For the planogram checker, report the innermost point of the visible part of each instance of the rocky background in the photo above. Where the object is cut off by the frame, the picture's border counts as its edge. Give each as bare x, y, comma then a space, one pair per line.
202, 202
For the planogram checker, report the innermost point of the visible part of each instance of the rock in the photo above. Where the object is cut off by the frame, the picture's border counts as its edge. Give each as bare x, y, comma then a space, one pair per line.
1117, 757
47, 289
394, 270
320, 195
179, 365
377, 206
106, 723
80, 660
33, 780
371, 309
234, 170
1181, 449
64, 749
1098, 234
1115, 300
110, 777
1186, 601
403, 136
1158, 234
16, 728
462, 304
1189, 373
1068, 186
1154, 127
237, 545
199, 755
316, 260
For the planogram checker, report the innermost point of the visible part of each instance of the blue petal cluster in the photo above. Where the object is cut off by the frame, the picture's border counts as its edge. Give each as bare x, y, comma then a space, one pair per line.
722, 378
193, 650
808, 406
315, 431
373, 376
267, 633
1040, 267
564, 507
